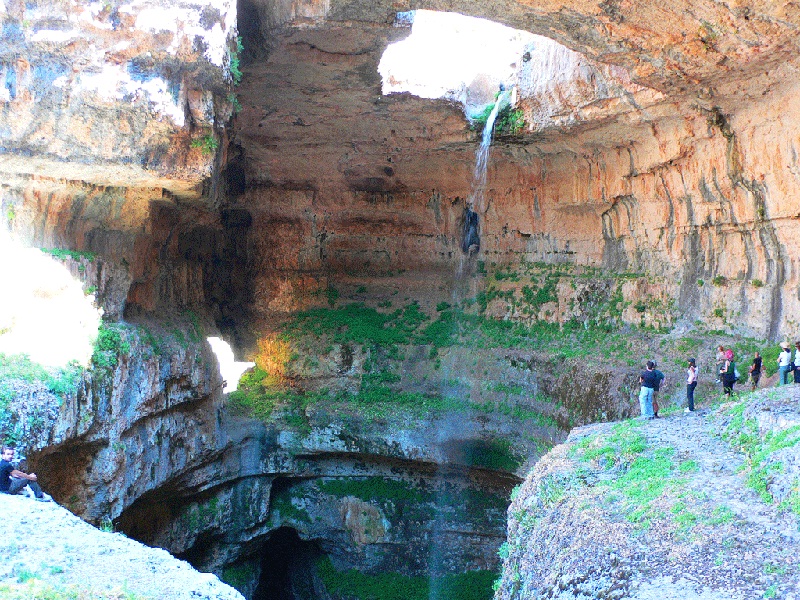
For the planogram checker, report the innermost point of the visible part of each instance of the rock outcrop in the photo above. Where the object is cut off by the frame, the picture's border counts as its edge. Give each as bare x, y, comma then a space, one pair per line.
52, 553
660, 509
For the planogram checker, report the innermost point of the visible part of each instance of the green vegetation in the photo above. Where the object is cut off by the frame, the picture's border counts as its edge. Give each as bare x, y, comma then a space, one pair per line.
234, 100
235, 62
202, 514
282, 504
642, 476
719, 280
110, 343
207, 144
509, 120
64, 254
18, 369
403, 500
720, 516
239, 576
376, 490
60, 381
472, 585
498, 454
744, 435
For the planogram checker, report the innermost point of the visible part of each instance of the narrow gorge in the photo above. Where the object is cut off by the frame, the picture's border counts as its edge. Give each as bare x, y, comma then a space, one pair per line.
293, 183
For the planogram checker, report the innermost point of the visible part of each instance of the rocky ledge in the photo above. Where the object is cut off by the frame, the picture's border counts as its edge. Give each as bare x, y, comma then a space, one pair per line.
50, 553
702, 505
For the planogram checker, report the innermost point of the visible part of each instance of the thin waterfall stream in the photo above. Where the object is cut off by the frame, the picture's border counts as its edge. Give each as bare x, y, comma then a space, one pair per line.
470, 241
470, 246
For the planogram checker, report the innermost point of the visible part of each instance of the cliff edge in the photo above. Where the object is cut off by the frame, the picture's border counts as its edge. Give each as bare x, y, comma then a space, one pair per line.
703, 505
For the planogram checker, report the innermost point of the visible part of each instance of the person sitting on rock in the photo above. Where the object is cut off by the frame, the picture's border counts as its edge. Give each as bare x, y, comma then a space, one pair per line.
13, 481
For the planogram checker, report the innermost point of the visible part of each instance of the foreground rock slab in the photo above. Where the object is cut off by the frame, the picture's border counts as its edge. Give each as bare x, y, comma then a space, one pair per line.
700, 505
45, 542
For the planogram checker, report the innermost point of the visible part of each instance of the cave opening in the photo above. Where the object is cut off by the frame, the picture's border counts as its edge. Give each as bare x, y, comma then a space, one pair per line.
287, 567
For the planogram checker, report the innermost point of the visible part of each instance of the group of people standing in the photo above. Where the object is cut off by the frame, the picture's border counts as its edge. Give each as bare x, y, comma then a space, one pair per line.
651, 379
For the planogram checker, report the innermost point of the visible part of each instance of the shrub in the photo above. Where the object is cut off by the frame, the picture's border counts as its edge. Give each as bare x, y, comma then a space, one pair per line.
208, 144
109, 345
64, 254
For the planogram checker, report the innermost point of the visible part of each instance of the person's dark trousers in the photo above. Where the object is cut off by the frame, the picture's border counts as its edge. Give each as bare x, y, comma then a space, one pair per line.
796, 375
690, 394
18, 483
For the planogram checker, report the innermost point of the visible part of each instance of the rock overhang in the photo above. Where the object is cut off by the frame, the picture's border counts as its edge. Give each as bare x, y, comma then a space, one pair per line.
106, 93
677, 48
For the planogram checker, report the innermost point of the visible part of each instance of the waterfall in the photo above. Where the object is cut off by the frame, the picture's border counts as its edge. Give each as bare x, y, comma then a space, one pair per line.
470, 239
482, 154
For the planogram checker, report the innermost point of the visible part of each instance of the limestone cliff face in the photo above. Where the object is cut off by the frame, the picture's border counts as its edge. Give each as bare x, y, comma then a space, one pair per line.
115, 94
692, 180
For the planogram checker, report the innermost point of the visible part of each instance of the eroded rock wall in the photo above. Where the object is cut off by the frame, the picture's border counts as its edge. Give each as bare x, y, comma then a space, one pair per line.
343, 180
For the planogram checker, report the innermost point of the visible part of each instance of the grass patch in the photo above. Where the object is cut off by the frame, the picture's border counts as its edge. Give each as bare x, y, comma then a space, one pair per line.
743, 434
239, 576
472, 585
64, 254
641, 476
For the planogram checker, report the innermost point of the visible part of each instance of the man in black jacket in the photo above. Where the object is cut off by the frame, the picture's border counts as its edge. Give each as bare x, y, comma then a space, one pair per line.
13, 481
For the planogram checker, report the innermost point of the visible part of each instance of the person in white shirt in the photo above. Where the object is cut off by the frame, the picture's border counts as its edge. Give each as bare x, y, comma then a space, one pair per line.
784, 364
691, 384
797, 362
